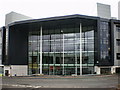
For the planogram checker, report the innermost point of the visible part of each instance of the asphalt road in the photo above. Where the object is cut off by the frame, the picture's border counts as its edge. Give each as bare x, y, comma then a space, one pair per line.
107, 81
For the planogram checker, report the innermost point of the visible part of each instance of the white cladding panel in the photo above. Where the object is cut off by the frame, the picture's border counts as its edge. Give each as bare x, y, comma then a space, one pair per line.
119, 10
116, 47
103, 10
19, 70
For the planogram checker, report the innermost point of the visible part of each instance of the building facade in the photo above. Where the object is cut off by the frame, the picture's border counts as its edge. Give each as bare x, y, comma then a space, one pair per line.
116, 44
67, 45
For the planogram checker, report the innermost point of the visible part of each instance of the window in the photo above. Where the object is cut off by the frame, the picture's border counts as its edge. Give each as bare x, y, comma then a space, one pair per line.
118, 29
118, 42
118, 56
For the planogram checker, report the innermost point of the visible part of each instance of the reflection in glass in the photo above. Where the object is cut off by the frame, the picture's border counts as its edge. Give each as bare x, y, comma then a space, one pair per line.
52, 50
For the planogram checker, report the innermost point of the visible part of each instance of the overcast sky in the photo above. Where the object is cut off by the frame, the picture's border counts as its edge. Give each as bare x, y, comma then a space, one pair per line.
50, 8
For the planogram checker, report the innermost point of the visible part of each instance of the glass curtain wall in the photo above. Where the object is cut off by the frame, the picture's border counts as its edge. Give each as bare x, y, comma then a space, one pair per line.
61, 50
34, 52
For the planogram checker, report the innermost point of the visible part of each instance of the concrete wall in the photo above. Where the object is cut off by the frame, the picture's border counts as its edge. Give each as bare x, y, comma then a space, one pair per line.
103, 10
113, 69
97, 69
19, 70
13, 16
6, 68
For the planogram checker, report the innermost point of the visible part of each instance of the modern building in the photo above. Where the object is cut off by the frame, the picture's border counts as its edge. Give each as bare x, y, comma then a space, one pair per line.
66, 45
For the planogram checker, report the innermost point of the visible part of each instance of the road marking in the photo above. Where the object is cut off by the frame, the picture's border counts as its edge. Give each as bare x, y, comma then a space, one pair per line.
26, 86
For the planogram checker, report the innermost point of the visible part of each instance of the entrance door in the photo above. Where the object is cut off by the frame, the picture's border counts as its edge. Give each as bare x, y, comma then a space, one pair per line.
6, 72
118, 70
34, 66
105, 70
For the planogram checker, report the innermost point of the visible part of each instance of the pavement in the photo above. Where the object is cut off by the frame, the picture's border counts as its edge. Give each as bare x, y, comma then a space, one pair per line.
46, 81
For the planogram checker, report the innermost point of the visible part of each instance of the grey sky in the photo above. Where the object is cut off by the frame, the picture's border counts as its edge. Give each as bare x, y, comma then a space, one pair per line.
50, 8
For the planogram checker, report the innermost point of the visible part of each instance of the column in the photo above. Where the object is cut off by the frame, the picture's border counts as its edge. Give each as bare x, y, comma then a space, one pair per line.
41, 50
80, 49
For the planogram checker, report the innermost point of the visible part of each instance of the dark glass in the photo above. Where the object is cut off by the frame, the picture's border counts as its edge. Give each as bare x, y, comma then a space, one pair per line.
104, 43
118, 42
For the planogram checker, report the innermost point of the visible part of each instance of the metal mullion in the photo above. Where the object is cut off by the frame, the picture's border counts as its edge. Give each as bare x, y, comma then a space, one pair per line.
29, 54
54, 55
60, 48
63, 56
87, 48
75, 55
32, 51
50, 51
37, 52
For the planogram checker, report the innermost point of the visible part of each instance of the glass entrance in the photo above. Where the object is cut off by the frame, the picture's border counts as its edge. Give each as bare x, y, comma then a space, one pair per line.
34, 65
61, 50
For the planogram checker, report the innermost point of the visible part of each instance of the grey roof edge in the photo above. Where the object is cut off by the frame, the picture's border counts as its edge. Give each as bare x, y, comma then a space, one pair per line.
54, 18
115, 21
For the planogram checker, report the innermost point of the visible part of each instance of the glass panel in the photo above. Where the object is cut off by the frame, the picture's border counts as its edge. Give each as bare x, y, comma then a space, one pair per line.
58, 44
